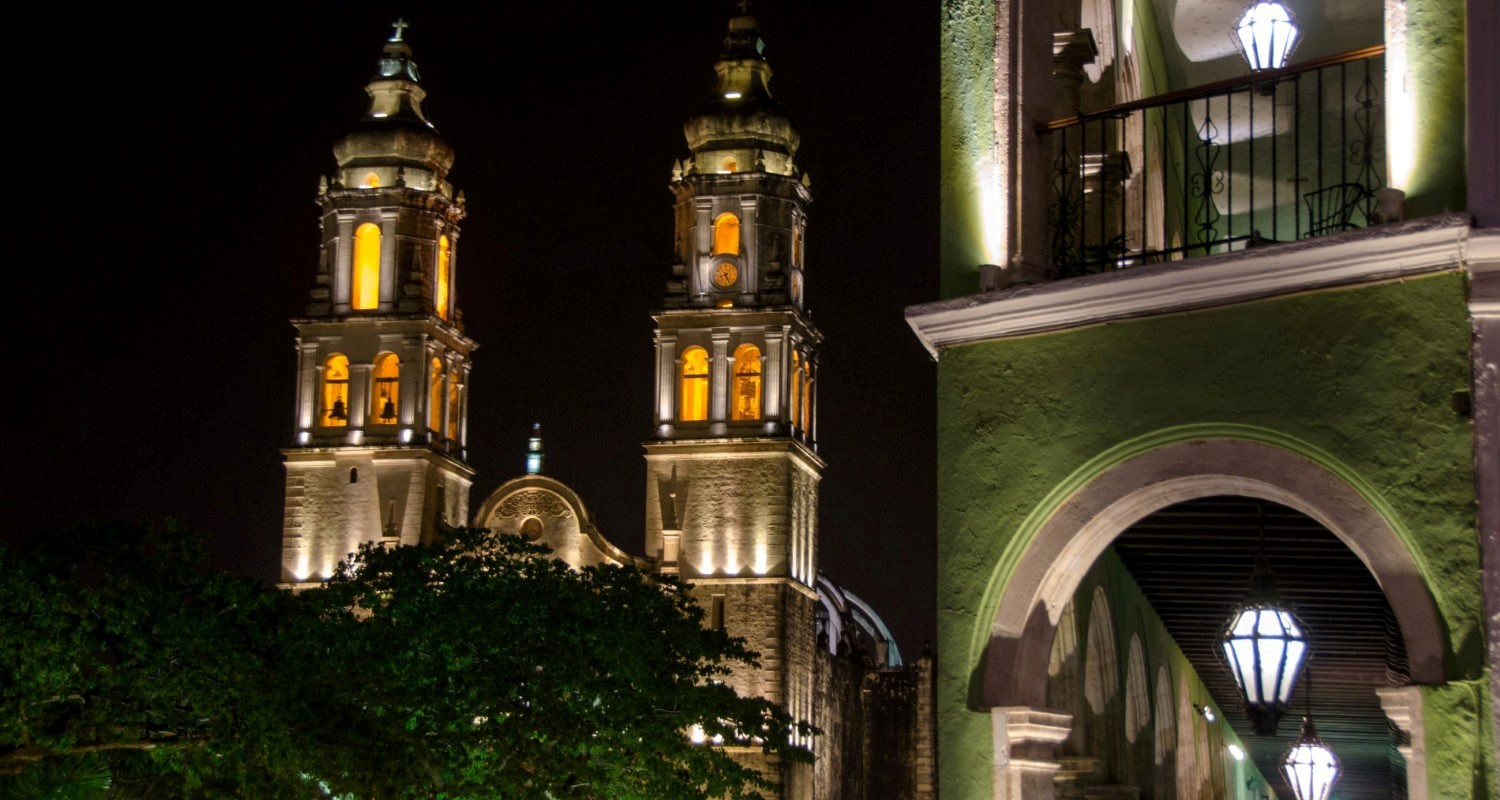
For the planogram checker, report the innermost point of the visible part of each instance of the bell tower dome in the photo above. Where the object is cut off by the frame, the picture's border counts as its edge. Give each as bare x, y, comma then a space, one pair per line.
381, 411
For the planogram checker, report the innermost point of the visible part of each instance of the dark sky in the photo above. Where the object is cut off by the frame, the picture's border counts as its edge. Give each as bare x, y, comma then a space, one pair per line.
166, 179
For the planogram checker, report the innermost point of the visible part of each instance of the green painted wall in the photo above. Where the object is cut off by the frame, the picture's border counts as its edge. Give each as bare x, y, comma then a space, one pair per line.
1459, 763
967, 128
1365, 375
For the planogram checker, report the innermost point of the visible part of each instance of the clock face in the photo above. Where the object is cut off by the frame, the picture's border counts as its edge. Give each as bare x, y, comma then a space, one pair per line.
725, 274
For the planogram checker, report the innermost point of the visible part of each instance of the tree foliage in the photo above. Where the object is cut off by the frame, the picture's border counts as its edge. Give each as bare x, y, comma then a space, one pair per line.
475, 667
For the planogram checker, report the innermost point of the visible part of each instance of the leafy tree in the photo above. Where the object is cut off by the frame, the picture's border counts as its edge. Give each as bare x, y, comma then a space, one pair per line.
476, 667
479, 667
114, 642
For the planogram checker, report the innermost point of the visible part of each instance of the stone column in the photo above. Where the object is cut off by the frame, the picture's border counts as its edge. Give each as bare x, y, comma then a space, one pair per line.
1104, 176
1071, 50
360, 376
343, 261
750, 282
1026, 741
718, 392
1484, 308
668, 367
388, 291
463, 409
698, 282
1403, 706
773, 375
308, 370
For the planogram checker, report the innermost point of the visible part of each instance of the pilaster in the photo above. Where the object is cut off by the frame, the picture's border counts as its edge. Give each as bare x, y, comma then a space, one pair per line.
1403, 706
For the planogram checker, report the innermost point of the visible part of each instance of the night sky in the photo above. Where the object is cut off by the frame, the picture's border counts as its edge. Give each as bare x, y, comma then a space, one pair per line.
166, 184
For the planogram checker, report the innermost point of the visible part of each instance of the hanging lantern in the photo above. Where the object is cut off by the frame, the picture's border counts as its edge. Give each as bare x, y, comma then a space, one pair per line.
1310, 766
1265, 649
1266, 34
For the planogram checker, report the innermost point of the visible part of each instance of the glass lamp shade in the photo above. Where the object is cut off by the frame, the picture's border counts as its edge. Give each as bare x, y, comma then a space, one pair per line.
1310, 766
1266, 34
1265, 649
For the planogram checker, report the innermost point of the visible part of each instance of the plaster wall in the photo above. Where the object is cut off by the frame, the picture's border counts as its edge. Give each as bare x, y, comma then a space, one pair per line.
1365, 376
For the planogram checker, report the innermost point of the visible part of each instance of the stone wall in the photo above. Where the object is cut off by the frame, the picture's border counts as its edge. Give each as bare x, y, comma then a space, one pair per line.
879, 732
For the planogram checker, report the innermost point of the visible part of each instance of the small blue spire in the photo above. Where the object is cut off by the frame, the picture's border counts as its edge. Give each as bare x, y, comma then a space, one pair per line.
534, 450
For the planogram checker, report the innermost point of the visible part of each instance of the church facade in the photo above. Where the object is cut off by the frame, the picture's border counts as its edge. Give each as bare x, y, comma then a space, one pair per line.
732, 466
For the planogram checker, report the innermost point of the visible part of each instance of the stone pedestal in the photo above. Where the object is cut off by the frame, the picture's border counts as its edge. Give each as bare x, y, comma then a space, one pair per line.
1026, 741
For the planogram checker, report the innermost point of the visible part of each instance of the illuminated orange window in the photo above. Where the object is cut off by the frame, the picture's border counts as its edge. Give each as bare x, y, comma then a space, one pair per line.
454, 401
746, 383
336, 391
727, 235
435, 396
385, 401
796, 387
797, 247
730, 165
692, 400
807, 383
366, 267
444, 277
372, 181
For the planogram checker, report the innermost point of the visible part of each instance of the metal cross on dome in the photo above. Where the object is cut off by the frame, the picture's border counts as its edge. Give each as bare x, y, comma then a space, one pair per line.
400, 25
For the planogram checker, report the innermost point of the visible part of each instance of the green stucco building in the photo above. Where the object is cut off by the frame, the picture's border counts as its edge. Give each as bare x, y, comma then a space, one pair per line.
1194, 316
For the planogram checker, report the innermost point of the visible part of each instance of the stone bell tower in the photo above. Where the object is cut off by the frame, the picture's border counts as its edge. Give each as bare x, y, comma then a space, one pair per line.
382, 361
733, 473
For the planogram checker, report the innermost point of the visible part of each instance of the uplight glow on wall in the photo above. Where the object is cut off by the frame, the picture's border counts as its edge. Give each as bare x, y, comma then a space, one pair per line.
1400, 106
992, 196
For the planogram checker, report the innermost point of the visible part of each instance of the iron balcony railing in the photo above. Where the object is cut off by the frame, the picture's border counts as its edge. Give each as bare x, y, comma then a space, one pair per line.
1272, 157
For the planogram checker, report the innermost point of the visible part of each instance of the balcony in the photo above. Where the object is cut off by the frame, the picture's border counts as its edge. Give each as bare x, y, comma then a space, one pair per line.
1272, 157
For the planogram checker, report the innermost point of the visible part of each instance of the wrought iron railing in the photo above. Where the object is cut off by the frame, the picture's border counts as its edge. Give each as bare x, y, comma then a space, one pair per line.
1273, 157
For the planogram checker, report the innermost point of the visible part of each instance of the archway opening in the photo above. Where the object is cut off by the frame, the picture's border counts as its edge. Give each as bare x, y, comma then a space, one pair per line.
1167, 584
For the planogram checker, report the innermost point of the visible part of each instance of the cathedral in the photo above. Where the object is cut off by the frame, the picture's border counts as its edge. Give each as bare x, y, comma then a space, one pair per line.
732, 463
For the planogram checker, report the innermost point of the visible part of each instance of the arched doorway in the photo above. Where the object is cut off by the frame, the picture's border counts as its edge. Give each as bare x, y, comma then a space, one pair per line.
1063, 546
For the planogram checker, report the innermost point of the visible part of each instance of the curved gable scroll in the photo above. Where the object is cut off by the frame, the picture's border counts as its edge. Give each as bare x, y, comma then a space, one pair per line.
547, 511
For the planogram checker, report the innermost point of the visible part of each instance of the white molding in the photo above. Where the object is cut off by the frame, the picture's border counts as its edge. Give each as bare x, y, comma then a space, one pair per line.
1483, 250
1428, 245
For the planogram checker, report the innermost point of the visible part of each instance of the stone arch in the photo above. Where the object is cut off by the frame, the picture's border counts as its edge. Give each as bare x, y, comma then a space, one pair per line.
1071, 535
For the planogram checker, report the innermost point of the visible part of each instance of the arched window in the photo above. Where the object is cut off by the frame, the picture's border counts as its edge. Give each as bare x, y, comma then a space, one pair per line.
385, 400
444, 277
727, 235
730, 165
435, 396
796, 388
746, 383
1166, 733
1137, 697
354, 474
372, 181
336, 391
455, 399
366, 267
692, 398
1100, 673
